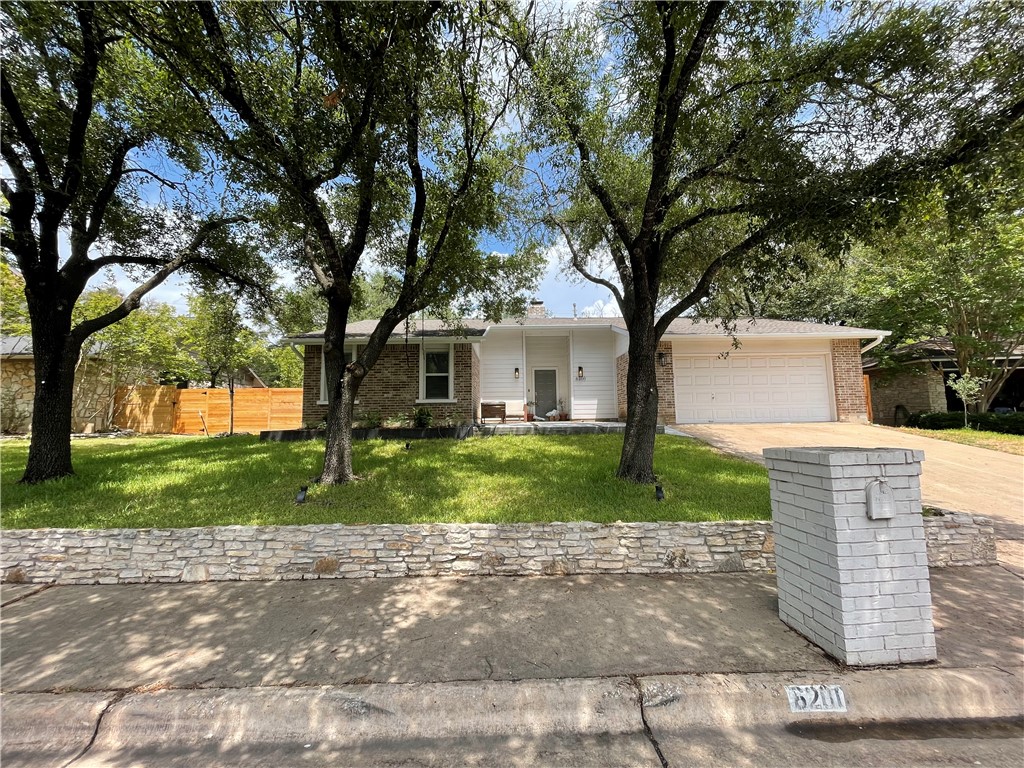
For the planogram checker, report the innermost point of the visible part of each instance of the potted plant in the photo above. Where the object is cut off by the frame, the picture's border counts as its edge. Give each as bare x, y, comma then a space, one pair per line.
529, 409
563, 412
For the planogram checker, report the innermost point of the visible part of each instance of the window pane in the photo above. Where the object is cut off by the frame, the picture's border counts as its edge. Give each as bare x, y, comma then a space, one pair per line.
437, 362
436, 387
348, 356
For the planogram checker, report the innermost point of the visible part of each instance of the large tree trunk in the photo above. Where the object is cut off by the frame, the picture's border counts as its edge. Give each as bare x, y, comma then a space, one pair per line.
340, 398
56, 357
637, 461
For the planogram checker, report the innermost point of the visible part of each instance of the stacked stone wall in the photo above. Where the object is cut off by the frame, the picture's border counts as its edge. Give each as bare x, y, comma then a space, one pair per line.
262, 553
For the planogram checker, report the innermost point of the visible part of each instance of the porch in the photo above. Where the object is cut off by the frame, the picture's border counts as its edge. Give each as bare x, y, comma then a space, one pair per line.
556, 428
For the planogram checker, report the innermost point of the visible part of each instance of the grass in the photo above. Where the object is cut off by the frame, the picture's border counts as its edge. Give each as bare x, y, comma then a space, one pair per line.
183, 482
996, 441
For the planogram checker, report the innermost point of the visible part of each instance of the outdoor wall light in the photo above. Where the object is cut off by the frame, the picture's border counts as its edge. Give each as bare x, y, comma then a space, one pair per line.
661, 359
579, 372
517, 373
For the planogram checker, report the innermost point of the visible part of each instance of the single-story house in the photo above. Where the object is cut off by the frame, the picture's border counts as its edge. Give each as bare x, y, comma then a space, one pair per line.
783, 371
94, 389
919, 382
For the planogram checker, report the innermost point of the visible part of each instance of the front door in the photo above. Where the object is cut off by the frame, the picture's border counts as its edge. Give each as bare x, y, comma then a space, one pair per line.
545, 390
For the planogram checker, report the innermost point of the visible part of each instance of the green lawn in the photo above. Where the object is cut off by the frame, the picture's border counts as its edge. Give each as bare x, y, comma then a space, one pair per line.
182, 482
996, 441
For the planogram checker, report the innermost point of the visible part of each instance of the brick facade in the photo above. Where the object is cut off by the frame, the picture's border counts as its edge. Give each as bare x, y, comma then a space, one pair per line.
852, 574
392, 386
918, 389
621, 363
848, 381
666, 384
665, 376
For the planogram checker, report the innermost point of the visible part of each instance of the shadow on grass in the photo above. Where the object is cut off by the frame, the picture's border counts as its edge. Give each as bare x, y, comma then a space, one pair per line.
197, 482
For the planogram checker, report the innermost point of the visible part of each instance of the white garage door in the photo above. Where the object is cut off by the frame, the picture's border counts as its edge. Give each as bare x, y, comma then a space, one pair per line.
751, 388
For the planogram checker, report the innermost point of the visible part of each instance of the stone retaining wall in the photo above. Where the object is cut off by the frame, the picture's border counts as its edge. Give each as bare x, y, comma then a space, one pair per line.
956, 538
268, 553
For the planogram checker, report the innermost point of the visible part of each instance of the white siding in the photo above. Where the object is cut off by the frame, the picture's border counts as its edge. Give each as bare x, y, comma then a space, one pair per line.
594, 397
501, 352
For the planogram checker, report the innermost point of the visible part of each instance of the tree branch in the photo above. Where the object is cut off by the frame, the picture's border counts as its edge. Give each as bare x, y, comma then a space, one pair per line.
702, 288
25, 134
188, 255
85, 84
577, 263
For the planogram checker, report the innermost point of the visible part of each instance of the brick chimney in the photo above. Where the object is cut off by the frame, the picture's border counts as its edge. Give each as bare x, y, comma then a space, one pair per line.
536, 309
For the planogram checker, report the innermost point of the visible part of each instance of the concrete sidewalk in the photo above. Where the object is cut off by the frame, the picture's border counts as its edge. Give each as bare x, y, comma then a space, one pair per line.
597, 670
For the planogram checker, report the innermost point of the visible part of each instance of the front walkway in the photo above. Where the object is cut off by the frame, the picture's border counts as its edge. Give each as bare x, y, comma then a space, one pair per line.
958, 477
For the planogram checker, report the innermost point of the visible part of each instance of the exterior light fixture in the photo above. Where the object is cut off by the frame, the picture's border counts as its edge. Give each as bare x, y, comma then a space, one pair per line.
517, 373
661, 359
579, 372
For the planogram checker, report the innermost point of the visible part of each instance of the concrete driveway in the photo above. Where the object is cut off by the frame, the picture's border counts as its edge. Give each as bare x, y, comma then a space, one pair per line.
957, 477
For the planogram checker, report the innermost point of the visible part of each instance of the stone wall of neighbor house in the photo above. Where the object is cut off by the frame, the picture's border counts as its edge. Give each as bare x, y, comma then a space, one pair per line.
848, 381
93, 395
392, 386
920, 389
266, 553
665, 376
17, 393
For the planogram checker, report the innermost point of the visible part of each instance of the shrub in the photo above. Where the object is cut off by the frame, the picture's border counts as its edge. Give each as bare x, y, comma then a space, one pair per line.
422, 418
1007, 423
371, 420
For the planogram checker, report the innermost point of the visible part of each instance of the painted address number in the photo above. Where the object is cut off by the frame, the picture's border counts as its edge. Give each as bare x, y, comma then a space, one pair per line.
816, 698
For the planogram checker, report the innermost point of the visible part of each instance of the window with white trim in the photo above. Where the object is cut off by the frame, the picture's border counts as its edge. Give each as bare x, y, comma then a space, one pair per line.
323, 372
436, 367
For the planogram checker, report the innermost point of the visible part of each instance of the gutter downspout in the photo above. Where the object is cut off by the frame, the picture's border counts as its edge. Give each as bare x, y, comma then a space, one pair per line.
303, 358
871, 345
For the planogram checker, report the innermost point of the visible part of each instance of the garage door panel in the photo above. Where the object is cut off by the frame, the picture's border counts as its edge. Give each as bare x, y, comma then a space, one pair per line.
752, 388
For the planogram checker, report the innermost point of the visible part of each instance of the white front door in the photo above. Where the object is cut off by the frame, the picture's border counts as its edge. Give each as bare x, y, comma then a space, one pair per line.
751, 388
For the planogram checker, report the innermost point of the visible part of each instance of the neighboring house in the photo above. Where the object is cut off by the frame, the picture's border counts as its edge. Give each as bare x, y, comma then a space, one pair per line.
918, 383
782, 372
94, 389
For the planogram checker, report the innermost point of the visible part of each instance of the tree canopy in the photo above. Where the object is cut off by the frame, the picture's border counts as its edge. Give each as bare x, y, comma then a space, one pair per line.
89, 120
686, 144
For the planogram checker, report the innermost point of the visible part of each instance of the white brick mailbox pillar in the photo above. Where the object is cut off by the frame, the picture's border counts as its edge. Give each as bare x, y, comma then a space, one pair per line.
850, 553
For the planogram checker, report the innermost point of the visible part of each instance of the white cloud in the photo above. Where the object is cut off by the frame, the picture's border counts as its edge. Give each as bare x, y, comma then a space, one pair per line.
601, 308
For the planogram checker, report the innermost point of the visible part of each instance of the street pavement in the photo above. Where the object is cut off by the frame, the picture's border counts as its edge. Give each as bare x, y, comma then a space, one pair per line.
584, 671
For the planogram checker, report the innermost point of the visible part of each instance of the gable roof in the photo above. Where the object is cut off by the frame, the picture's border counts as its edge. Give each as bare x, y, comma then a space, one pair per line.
15, 346
681, 327
936, 349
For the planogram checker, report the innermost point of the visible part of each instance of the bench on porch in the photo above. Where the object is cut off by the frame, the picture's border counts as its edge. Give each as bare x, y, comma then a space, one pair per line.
492, 410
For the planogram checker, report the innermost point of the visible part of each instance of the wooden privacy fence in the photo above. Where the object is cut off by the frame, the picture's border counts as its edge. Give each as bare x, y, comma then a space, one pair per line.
867, 397
162, 410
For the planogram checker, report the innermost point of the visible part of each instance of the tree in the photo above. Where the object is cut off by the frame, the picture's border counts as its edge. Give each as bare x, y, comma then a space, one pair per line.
133, 351
954, 268
13, 308
87, 118
380, 125
970, 390
218, 340
687, 141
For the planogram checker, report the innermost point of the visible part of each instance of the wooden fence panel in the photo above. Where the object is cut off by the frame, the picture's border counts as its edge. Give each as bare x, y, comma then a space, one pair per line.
183, 411
867, 397
147, 410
